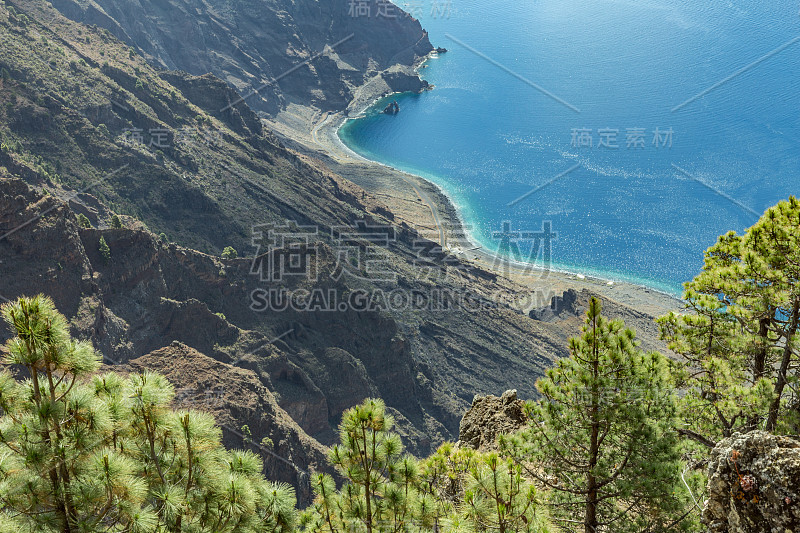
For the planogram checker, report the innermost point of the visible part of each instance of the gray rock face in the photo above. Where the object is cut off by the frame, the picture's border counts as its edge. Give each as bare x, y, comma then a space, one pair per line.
754, 485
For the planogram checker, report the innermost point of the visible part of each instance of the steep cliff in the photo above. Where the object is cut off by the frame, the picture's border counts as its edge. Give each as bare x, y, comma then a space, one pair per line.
246, 411
305, 52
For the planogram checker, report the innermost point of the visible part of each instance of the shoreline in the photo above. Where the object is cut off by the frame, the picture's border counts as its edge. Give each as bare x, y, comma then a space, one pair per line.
457, 218
427, 207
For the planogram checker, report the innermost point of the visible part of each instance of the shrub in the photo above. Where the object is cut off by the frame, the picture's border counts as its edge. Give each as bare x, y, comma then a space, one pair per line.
229, 253
105, 251
83, 221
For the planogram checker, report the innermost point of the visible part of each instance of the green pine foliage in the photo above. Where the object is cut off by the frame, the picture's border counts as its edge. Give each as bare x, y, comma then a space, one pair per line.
116, 223
738, 339
230, 253
105, 251
83, 221
443, 478
454, 490
601, 438
615, 441
367, 457
499, 498
87, 452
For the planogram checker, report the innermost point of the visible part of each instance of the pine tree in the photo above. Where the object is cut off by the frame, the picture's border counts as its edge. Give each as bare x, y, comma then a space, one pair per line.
738, 339
105, 251
499, 498
366, 457
57, 473
107, 453
454, 490
83, 221
229, 253
400, 493
601, 438
325, 514
443, 479
116, 222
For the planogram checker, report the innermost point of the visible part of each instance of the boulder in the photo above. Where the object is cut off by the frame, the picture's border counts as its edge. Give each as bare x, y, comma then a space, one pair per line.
754, 485
490, 417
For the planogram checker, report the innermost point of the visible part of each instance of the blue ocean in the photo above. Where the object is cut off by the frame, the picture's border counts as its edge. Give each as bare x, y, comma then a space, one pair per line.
640, 129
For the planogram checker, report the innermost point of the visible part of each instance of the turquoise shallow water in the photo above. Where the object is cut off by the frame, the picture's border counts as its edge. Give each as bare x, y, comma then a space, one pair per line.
640, 212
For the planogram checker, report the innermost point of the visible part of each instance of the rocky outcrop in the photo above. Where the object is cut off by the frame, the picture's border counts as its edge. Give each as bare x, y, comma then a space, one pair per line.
316, 364
216, 98
392, 109
489, 417
560, 306
754, 485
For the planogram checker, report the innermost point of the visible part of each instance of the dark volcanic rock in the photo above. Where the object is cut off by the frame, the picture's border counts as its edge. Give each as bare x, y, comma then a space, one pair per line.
392, 109
27, 218
754, 485
490, 417
150, 294
215, 97
207, 194
560, 306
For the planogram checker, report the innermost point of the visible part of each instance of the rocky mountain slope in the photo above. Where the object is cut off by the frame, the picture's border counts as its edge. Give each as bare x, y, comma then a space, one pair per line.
252, 45
86, 113
427, 365
246, 411
88, 127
